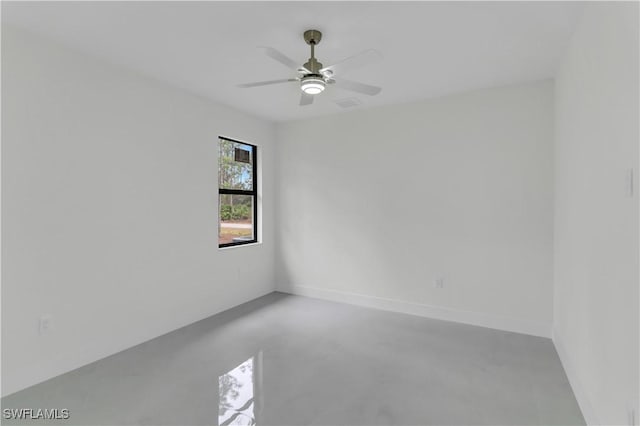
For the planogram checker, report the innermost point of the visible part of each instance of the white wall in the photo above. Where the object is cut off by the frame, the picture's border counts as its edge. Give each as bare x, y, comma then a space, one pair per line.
374, 205
109, 197
596, 223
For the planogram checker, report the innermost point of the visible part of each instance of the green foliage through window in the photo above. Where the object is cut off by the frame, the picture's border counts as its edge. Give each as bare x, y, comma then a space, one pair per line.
234, 174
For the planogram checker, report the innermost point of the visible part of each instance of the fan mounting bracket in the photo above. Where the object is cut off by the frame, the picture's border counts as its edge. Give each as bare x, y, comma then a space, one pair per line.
312, 37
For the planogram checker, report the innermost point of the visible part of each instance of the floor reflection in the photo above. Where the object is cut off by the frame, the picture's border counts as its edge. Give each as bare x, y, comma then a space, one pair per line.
238, 391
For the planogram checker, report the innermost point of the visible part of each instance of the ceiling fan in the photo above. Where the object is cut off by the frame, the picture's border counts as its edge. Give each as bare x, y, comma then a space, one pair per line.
313, 77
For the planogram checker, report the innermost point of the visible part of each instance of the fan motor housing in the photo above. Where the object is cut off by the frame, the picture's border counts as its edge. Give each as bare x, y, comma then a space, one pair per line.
313, 65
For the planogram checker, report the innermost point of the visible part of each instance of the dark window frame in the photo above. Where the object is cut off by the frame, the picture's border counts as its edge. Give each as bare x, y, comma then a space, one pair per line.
253, 192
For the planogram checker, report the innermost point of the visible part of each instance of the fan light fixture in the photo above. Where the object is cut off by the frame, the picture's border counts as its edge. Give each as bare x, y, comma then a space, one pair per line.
312, 85
313, 77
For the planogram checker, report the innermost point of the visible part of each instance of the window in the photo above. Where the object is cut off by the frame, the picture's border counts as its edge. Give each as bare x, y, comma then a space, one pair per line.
237, 193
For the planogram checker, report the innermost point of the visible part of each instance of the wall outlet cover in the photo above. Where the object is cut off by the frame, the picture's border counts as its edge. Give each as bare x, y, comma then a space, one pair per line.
45, 324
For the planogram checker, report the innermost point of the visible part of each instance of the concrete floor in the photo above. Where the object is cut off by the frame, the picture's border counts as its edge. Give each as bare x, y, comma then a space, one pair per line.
289, 360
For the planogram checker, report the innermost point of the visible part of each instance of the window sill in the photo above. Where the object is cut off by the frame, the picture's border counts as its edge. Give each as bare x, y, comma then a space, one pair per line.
241, 245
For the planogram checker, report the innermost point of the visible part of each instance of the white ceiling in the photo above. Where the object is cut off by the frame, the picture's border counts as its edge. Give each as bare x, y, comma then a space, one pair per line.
428, 48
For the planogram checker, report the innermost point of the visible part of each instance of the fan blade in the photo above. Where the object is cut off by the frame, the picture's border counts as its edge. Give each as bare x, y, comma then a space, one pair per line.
354, 86
266, 83
306, 99
354, 62
280, 57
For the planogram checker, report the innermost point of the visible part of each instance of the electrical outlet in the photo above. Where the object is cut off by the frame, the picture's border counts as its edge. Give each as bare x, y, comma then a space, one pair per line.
438, 282
45, 324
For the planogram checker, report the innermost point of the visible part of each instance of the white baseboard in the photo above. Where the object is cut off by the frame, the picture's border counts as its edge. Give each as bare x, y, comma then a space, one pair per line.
466, 317
576, 385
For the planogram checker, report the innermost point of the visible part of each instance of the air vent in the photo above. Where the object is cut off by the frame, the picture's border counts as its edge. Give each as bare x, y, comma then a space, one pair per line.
348, 102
